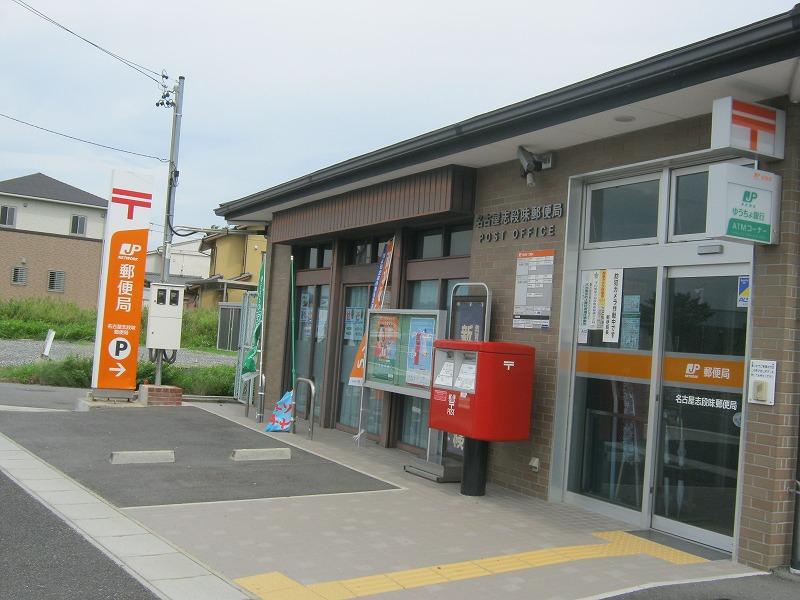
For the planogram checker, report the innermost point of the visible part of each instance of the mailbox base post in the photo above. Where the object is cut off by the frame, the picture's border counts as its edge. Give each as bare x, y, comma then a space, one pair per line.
476, 459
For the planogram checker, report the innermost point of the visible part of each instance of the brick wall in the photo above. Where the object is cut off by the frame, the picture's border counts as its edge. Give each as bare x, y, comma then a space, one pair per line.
771, 432
160, 395
277, 301
79, 259
500, 188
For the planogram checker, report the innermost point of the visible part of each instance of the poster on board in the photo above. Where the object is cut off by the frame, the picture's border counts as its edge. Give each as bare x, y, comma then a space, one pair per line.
382, 360
420, 351
533, 289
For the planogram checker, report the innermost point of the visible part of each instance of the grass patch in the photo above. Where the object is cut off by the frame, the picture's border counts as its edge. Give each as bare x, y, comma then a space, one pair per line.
76, 371
199, 328
30, 318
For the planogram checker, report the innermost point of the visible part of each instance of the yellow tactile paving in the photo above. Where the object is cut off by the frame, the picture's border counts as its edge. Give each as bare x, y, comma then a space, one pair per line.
633, 544
460, 570
416, 577
374, 584
332, 590
276, 586
267, 583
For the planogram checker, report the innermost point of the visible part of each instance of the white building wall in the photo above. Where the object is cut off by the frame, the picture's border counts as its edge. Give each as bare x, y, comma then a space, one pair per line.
54, 217
186, 260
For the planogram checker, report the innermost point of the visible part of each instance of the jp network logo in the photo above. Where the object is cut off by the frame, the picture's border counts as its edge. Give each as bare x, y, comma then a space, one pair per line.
692, 370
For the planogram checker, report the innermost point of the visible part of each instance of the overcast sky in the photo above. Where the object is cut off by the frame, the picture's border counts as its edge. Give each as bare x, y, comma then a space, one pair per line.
275, 90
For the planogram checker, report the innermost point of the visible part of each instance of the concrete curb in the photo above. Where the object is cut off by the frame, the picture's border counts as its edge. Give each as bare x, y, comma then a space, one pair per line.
141, 457
261, 454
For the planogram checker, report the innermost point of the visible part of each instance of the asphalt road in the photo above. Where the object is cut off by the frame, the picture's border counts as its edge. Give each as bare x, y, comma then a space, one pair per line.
43, 558
80, 443
758, 587
40, 396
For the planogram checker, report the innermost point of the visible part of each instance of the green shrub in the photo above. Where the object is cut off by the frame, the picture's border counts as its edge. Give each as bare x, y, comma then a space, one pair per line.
20, 373
216, 380
73, 371
76, 371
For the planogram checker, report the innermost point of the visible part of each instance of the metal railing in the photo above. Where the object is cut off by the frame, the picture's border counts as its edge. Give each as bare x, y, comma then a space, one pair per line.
310, 406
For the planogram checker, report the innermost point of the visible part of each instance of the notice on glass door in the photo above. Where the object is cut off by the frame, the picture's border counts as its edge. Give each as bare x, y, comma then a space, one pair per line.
600, 306
533, 290
613, 305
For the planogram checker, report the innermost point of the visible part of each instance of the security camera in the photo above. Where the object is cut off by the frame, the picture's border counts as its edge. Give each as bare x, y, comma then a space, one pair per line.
531, 163
528, 162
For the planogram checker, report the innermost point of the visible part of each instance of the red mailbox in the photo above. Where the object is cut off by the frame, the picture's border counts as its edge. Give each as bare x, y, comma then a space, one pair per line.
482, 390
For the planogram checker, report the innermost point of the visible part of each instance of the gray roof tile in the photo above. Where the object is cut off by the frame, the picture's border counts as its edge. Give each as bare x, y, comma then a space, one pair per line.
42, 186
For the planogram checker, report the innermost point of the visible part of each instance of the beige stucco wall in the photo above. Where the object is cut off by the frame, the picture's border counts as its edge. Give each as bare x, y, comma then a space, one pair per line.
78, 258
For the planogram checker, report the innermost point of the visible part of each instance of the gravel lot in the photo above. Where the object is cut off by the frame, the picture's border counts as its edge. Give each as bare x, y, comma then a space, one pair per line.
20, 352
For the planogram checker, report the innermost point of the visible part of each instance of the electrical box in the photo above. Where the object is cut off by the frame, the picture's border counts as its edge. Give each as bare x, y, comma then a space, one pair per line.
482, 390
165, 316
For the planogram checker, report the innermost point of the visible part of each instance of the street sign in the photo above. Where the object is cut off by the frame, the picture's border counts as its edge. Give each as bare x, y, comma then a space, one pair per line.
119, 306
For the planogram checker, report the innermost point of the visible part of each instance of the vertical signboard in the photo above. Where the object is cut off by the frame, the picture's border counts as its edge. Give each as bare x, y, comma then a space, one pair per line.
119, 306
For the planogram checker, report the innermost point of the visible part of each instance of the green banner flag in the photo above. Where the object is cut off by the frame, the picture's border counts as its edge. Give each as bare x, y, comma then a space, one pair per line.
249, 364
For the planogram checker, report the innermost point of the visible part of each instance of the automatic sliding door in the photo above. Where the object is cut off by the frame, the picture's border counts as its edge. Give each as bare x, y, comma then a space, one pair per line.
701, 408
612, 397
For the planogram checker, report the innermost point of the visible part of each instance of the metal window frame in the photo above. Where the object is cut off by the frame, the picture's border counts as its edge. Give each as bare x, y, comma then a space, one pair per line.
21, 269
53, 277
10, 208
81, 218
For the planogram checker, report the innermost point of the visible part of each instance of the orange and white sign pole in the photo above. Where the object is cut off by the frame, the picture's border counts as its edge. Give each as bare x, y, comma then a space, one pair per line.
119, 306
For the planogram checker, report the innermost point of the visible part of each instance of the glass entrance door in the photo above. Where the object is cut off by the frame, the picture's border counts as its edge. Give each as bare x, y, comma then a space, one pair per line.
700, 406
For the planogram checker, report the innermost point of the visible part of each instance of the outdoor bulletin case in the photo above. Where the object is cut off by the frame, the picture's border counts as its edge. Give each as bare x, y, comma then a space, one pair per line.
482, 390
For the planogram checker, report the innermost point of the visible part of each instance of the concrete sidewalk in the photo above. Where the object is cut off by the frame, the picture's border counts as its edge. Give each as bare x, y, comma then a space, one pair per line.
422, 539
354, 525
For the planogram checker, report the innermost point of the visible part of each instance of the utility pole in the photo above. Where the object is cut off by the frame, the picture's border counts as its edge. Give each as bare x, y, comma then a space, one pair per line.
172, 183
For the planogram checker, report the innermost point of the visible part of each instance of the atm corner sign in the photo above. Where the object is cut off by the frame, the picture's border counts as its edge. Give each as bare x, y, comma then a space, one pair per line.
743, 204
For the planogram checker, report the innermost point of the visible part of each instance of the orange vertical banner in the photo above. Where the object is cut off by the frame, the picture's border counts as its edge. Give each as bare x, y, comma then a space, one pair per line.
358, 372
119, 306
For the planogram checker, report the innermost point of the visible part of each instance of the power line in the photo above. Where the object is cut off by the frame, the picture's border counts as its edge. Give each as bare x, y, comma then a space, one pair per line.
129, 63
77, 139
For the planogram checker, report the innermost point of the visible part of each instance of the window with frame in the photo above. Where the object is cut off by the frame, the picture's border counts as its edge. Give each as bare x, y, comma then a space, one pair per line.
78, 225
314, 257
443, 242
623, 212
366, 251
56, 281
8, 216
19, 275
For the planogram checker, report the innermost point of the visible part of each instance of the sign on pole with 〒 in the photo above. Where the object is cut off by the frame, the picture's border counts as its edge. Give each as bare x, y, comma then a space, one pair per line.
119, 305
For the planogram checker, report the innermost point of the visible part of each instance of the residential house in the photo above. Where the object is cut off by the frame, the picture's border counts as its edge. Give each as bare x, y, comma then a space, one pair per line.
51, 240
187, 263
236, 257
